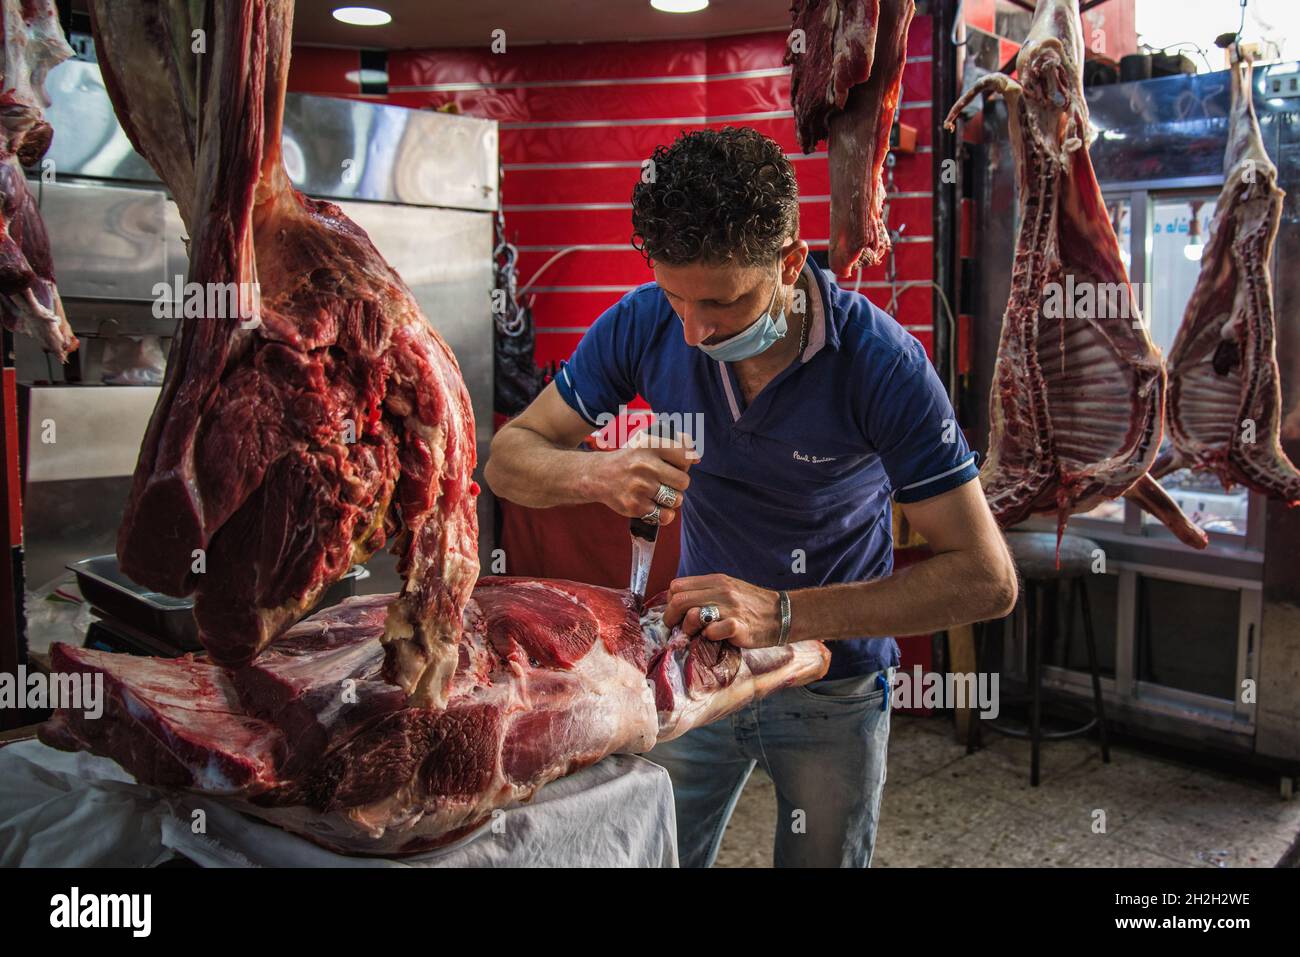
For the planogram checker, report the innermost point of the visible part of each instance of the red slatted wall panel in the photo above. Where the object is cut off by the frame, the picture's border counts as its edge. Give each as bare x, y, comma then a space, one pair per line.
577, 121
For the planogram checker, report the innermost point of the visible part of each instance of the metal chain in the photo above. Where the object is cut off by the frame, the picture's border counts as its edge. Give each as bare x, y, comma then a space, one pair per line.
803, 327
510, 320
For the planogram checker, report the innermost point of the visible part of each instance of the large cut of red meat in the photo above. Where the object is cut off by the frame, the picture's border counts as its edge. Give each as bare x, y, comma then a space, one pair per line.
31, 44
1225, 399
1078, 387
847, 78
551, 676
315, 418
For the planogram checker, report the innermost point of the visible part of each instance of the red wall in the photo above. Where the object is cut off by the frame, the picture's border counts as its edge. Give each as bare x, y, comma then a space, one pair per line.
327, 71
577, 121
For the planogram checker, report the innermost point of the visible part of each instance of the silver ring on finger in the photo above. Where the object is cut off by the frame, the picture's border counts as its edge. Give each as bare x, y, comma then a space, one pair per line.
666, 496
651, 517
709, 614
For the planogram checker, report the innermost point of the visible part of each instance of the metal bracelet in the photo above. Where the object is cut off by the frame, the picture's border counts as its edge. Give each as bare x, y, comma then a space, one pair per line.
785, 618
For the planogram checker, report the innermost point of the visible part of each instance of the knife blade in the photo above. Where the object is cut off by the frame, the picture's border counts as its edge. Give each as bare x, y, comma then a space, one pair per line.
644, 534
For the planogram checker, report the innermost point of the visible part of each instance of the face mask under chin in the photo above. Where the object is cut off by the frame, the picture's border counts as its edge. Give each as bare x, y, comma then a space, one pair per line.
754, 339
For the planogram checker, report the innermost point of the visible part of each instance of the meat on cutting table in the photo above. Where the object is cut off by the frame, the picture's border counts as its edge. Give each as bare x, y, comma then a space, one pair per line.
551, 677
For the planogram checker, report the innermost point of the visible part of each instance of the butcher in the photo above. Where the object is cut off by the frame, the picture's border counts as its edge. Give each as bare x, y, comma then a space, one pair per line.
817, 411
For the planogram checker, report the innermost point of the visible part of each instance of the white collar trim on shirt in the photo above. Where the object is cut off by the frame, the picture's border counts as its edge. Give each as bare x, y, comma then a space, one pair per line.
817, 334
731, 396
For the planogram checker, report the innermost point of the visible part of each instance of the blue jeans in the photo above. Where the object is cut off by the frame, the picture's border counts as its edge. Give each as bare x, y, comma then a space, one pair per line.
824, 746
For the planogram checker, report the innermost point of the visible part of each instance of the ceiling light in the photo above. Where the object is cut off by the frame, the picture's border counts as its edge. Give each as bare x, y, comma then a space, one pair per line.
363, 16
366, 76
679, 6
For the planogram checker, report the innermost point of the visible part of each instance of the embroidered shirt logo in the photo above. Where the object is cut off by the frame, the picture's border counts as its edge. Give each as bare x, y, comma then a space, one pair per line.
814, 459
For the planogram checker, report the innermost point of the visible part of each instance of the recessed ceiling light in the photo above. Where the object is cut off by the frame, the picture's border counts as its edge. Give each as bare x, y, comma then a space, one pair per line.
363, 16
679, 6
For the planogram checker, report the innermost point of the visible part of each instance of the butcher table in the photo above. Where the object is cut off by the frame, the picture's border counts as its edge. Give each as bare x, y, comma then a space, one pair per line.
78, 809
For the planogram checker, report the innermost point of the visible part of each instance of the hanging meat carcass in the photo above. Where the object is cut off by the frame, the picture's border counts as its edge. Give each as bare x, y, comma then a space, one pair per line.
1078, 387
319, 415
1224, 394
552, 676
32, 45
847, 78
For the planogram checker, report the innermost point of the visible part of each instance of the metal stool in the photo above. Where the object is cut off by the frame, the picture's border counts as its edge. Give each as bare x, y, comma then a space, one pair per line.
1035, 557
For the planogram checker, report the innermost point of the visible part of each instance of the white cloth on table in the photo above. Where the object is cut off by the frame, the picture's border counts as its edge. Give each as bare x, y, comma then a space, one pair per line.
80, 810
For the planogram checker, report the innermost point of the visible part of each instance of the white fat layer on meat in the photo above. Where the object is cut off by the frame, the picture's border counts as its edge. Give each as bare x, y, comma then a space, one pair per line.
135, 707
209, 777
540, 585
433, 435
654, 633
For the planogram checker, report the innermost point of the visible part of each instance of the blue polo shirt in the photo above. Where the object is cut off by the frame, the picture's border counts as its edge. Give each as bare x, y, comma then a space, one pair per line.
792, 491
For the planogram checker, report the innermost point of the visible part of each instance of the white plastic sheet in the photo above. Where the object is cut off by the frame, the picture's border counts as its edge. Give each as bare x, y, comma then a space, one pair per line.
76, 809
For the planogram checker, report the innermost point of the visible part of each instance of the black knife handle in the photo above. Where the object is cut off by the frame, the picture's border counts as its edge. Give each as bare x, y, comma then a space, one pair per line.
644, 530
664, 431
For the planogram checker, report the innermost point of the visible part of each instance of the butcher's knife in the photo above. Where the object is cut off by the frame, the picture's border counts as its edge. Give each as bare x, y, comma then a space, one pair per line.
644, 534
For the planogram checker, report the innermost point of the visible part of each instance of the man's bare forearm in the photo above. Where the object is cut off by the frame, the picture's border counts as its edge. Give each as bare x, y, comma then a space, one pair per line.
528, 469
950, 589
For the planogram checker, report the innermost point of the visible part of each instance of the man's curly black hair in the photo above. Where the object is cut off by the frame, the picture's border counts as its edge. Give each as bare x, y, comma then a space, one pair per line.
716, 197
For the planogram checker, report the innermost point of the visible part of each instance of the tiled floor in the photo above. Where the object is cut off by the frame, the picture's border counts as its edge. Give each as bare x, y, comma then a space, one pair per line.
944, 808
